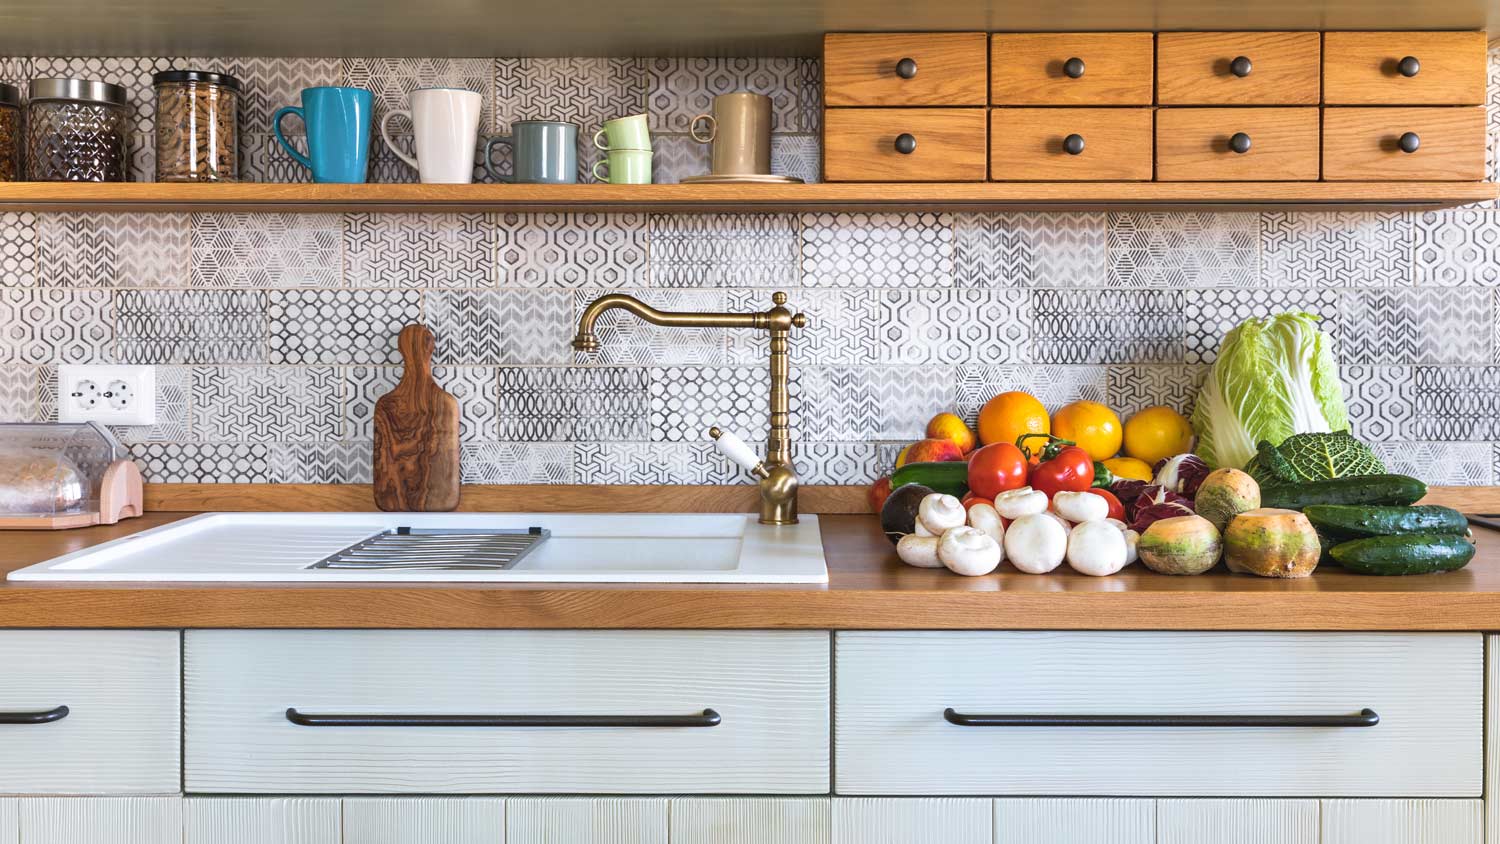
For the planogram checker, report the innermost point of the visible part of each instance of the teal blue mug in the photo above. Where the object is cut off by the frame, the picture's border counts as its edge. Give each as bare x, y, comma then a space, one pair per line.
338, 133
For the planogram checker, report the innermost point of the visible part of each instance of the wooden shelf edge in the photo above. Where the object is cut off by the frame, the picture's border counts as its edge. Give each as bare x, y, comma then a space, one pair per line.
43, 196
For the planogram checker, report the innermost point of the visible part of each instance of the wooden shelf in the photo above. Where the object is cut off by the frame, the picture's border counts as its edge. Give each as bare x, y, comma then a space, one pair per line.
46, 196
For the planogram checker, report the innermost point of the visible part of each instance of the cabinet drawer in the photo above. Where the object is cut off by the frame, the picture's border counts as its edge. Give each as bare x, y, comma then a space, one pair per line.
769, 690
1201, 68
1041, 144
1197, 144
893, 737
1366, 68
119, 731
861, 145
896, 69
1365, 144
1071, 68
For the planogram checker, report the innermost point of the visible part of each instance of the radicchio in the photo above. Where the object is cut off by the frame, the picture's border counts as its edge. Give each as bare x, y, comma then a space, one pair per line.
1156, 503
1181, 474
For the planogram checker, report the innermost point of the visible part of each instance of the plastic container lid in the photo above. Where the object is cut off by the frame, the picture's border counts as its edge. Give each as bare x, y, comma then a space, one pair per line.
86, 90
10, 95
173, 77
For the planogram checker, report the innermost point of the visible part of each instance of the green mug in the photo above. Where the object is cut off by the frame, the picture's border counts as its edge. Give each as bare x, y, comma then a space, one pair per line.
624, 133
626, 167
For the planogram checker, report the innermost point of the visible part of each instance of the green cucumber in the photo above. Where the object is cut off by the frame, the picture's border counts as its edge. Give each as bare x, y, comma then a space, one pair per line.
1416, 553
1352, 521
950, 477
1355, 489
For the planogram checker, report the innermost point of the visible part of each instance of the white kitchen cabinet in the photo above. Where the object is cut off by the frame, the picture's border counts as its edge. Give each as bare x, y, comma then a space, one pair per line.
913, 820
750, 820
585, 820
1402, 822
261, 820
97, 820
1061, 820
1254, 821
1492, 742
893, 736
424, 820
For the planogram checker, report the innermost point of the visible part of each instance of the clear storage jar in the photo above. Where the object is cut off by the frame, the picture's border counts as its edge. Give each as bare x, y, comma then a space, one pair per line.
197, 126
77, 130
10, 133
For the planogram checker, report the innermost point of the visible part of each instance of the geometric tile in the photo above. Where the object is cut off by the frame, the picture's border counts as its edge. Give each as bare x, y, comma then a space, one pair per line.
1107, 326
1346, 249
723, 250
1417, 326
203, 463
654, 463
572, 250
134, 74
1440, 464
55, 326
266, 403
956, 326
516, 463
675, 157
191, 326
798, 156
843, 326
680, 88
1457, 246
1030, 249
320, 462
625, 339
837, 463
1132, 388
1183, 248
1210, 314
174, 407
267, 250
361, 387
16, 70
573, 404
877, 250
264, 159
849, 404
1382, 401
1054, 386
270, 83
583, 91
18, 249
1457, 403
393, 80
339, 326
113, 250
489, 327
417, 250
685, 401
20, 394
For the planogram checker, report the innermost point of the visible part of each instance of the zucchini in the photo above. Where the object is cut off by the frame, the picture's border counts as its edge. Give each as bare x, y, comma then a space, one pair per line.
950, 477
1352, 521
1416, 553
1355, 489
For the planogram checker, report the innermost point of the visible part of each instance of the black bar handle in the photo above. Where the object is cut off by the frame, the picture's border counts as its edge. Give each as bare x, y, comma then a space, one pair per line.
1365, 718
46, 716
708, 718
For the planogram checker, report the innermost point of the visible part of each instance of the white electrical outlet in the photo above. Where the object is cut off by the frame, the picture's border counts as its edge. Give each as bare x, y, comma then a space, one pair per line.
107, 394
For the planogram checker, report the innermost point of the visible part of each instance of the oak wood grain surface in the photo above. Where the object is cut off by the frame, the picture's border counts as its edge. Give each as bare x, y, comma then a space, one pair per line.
859, 69
859, 144
415, 464
1027, 143
1193, 68
1192, 144
1362, 68
1363, 143
869, 589
1027, 68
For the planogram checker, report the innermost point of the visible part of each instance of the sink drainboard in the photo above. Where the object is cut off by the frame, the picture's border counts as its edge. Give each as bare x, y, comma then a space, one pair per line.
434, 548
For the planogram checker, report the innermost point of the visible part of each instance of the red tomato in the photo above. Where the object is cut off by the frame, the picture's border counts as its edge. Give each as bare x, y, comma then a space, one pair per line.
879, 492
996, 468
1069, 469
1116, 509
971, 499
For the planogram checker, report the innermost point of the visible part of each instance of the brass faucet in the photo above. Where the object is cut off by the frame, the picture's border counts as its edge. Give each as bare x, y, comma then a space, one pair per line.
777, 475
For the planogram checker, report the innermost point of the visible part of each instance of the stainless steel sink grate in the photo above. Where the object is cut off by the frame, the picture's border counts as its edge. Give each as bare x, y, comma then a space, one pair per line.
433, 548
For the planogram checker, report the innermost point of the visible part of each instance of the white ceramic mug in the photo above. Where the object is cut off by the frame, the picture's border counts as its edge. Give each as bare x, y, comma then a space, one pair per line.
445, 126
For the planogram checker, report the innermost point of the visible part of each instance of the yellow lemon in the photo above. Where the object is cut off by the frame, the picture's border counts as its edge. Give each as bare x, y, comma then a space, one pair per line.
1157, 433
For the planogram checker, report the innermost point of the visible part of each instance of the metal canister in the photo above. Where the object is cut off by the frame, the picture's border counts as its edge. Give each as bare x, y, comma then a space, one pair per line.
77, 130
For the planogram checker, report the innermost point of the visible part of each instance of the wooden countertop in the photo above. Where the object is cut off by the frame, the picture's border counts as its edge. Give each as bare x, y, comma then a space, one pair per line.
869, 589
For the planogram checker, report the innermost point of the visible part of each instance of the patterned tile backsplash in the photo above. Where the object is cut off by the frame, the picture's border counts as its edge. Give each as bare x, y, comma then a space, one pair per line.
275, 333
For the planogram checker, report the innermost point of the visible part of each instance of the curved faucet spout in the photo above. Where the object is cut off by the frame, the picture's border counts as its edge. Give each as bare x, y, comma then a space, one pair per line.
586, 341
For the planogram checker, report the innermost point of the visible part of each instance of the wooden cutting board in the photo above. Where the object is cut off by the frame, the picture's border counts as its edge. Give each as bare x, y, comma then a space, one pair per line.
416, 435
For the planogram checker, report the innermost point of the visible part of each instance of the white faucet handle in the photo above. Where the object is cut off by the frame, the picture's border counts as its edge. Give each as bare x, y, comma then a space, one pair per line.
734, 448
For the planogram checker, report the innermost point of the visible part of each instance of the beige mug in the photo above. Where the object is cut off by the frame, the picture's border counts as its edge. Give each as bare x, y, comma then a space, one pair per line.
739, 127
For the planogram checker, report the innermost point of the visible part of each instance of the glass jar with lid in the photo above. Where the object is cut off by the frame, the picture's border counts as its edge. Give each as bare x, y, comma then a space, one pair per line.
77, 130
197, 126
10, 133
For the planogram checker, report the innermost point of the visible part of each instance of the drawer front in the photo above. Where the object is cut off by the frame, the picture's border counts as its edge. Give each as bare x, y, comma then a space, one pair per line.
1198, 68
892, 736
120, 733
770, 690
1196, 144
860, 145
1366, 68
1365, 144
897, 69
1071, 68
1070, 144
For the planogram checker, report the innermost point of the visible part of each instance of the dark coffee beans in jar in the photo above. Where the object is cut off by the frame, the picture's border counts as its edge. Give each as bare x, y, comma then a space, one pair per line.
77, 130
197, 126
10, 133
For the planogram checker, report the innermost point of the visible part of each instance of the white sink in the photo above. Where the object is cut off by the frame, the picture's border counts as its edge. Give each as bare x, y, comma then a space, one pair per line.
581, 547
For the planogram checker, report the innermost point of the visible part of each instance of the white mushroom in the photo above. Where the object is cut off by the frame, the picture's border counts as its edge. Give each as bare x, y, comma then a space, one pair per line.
1021, 502
938, 512
969, 551
984, 517
1080, 506
1036, 544
1067, 526
1131, 538
1096, 548
1117, 523
919, 551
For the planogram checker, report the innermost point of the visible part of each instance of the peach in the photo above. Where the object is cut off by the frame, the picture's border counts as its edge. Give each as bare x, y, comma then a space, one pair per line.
947, 426
930, 450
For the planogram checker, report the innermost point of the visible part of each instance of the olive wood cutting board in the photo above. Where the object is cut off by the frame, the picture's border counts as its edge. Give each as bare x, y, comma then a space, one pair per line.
416, 435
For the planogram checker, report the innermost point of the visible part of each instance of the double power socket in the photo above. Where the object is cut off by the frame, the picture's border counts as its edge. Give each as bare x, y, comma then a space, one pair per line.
107, 394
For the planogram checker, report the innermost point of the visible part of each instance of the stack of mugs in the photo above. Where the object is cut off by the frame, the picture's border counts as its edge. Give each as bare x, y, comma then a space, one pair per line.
626, 143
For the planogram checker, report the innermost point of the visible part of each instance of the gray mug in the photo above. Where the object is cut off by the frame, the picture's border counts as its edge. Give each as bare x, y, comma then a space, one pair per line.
544, 151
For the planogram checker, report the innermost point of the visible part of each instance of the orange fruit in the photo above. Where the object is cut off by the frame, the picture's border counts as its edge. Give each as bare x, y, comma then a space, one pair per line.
1129, 468
1009, 415
1157, 433
1094, 427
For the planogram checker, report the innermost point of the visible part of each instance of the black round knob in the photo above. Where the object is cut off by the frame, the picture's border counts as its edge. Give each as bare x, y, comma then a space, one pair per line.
906, 143
1240, 66
1073, 68
1409, 66
1409, 142
1073, 144
1239, 142
906, 68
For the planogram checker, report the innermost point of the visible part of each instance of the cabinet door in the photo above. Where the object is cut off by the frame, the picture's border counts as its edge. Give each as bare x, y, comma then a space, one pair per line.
98, 820
751, 820
921, 820
262, 820
1237, 821
1402, 821
586, 820
1102, 820
424, 820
